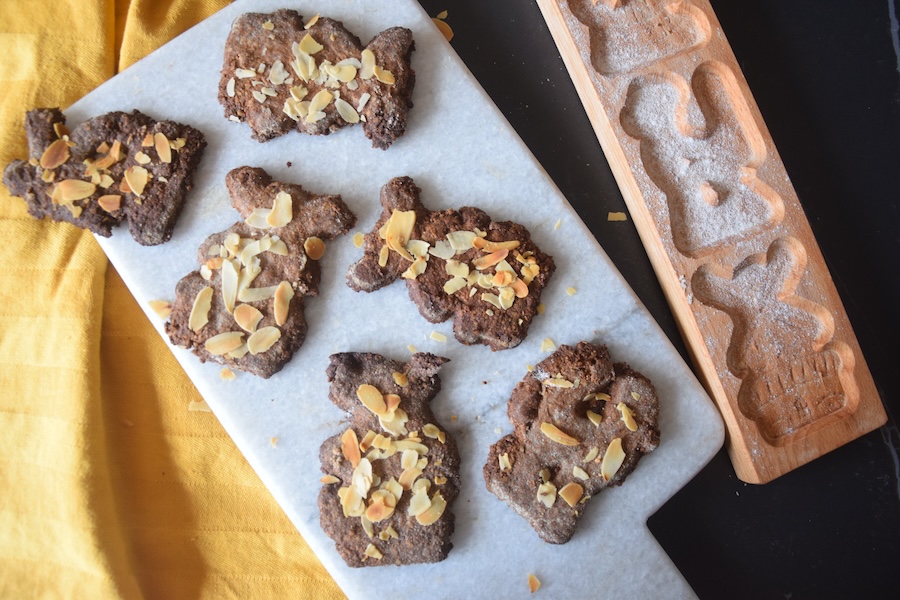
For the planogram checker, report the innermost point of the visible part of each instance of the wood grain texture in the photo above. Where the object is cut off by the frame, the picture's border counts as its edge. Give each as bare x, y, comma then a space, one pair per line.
723, 227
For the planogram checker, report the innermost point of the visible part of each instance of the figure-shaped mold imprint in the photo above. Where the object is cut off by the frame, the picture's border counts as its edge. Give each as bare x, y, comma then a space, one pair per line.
795, 379
708, 171
629, 34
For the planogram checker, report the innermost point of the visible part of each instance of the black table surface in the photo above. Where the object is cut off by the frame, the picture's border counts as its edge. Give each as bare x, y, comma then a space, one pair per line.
826, 76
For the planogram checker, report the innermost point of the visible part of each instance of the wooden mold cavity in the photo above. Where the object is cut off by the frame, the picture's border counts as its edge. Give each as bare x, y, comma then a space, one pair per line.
794, 378
700, 145
670, 28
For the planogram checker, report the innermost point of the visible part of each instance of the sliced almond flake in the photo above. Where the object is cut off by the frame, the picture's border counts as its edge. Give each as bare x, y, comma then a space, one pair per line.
162, 308
486, 246
74, 209
627, 416
106, 181
397, 425
380, 508
373, 552
519, 288
229, 88
558, 223
580, 473
398, 230
371, 398
55, 154
268, 91
258, 96
350, 447
60, 129
438, 336
137, 178
489, 260
442, 249
314, 247
367, 64
507, 297
547, 345
258, 218
239, 353
418, 248
178, 143
327, 479
278, 74
48, 176
278, 247
199, 316
367, 440
594, 418
534, 584
247, 317
224, 342
229, 284
162, 146
234, 118
391, 402
400, 378
244, 73
198, 406
69, 190
454, 285
558, 382
226, 374
503, 278
546, 494
503, 459
309, 45
408, 476
257, 294
408, 459
461, 240
571, 493
312, 21
388, 534
457, 268
493, 299
284, 293
205, 272
529, 272
363, 100
612, 459
263, 339
419, 503
557, 435
434, 512
383, 256
591, 455
415, 269
142, 158
383, 75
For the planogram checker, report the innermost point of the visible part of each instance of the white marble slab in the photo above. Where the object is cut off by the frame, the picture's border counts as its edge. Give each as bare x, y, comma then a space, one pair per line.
460, 150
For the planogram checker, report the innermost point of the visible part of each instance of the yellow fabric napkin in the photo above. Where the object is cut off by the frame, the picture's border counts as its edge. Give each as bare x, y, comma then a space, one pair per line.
111, 488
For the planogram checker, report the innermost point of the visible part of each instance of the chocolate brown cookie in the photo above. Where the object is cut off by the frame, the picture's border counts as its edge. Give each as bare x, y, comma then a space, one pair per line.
244, 306
486, 275
281, 74
111, 168
393, 474
581, 424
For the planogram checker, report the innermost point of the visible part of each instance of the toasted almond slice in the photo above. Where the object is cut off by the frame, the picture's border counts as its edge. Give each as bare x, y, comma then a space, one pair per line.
534, 584
489, 260
240, 352
162, 308
147, 141
163, 149
592, 454
580, 473
367, 60
415, 269
259, 218
627, 416
371, 398
408, 476
571, 493
373, 552
309, 45
314, 247
142, 158
546, 494
434, 512
283, 295
454, 285
244, 73
257, 294
503, 460
557, 435
229, 88
612, 459
263, 339
137, 178
347, 112
408, 459
594, 418
431, 431
486, 246
229, 284
419, 503
503, 278
282, 211
329, 479
69, 190
60, 129
226, 374
558, 382
400, 378
519, 288
110, 202
391, 401
248, 317
56, 154
200, 310
312, 21
547, 345
199, 406
383, 75
379, 509
350, 447
224, 342
383, 256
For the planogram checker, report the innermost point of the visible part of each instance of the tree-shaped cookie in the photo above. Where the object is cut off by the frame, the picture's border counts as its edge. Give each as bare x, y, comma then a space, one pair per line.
244, 306
704, 163
629, 34
581, 425
794, 378
391, 477
281, 74
486, 275
115, 167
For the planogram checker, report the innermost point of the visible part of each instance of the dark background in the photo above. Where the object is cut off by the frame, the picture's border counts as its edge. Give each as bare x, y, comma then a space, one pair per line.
825, 76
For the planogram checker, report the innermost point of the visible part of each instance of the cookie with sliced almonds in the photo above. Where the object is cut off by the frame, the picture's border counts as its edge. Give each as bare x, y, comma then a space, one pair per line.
486, 275
282, 73
244, 306
115, 167
391, 477
581, 424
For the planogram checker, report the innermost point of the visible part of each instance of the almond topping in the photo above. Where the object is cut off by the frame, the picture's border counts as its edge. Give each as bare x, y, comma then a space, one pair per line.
558, 382
367, 440
56, 154
312, 21
346, 111
350, 447
110, 202
229, 284
329, 479
163, 149
594, 418
142, 158
283, 295
431, 431
580, 473
592, 454
224, 342
367, 58
546, 494
612, 459
434, 512
226, 374
483, 244
571, 493
309, 45
489, 260
534, 584
229, 88
282, 210
314, 247
400, 379
137, 178
503, 460
263, 339
419, 503
60, 129
627, 416
392, 401
200, 310
547, 345
557, 435
379, 509
383, 75
373, 552
69, 190
247, 316
371, 398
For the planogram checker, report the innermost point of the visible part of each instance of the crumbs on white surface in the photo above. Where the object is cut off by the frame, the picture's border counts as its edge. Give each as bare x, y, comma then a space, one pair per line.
558, 223
438, 336
548, 345
411, 348
226, 374
273, 441
199, 406
534, 583
570, 291
162, 308
541, 308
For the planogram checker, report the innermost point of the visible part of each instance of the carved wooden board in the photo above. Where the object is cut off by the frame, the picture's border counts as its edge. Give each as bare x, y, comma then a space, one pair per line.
722, 224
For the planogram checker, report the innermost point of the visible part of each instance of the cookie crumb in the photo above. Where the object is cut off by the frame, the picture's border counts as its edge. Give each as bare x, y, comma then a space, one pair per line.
534, 584
273, 442
226, 374
199, 406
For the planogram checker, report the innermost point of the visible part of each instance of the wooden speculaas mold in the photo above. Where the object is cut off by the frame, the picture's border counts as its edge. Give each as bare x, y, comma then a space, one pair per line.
722, 225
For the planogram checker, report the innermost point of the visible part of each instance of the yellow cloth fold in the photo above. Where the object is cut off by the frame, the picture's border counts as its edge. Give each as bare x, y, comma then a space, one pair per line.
111, 488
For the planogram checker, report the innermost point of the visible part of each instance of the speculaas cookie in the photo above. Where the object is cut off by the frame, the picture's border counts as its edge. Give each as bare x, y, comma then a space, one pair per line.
581, 425
486, 275
281, 74
244, 306
392, 476
111, 168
